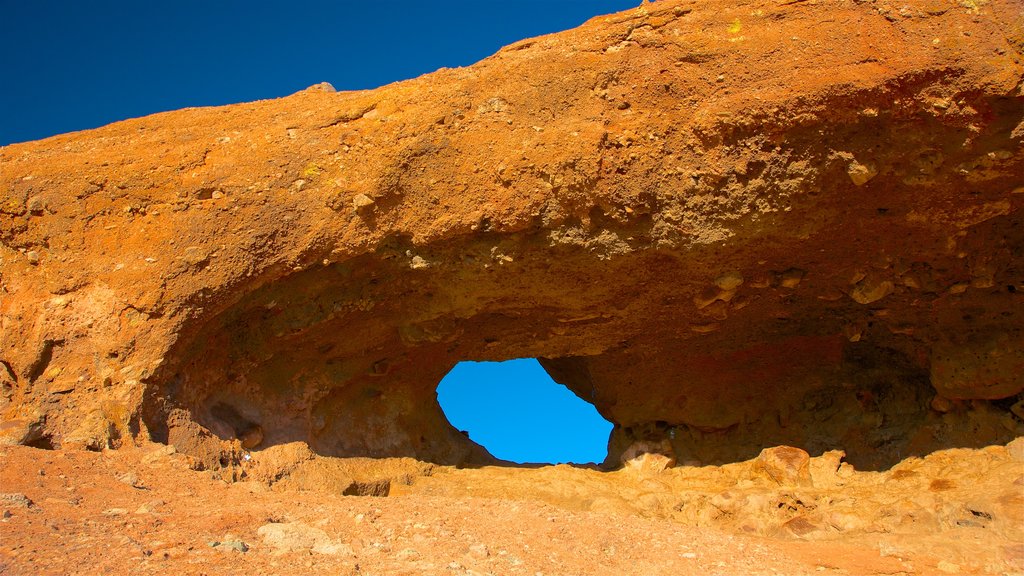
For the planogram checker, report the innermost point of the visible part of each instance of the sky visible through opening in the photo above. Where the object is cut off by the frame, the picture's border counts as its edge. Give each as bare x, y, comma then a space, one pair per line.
516, 411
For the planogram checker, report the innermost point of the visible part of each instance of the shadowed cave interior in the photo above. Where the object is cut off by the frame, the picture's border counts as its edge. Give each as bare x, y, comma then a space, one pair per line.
347, 357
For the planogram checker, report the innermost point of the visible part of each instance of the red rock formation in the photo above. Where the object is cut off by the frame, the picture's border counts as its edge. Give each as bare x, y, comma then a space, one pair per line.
729, 225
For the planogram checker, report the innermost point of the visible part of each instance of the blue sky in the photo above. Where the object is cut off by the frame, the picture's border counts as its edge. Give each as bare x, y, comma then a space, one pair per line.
71, 65
515, 410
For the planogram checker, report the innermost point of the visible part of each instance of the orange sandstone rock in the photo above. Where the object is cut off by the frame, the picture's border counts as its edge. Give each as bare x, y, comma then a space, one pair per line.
729, 225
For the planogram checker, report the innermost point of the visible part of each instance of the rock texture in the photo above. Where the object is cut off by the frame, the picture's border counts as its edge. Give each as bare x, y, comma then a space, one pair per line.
71, 512
729, 225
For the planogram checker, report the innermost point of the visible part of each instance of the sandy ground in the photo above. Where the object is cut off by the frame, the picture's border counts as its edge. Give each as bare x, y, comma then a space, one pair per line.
142, 511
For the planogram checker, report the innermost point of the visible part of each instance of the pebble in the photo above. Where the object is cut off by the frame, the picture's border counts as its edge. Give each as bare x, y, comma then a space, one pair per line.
33, 257
159, 454
870, 290
230, 545
150, 507
479, 551
15, 500
131, 479
296, 536
362, 202
35, 204
322, 87
729, 281
791, 278
948, 567
941, 404
860, 174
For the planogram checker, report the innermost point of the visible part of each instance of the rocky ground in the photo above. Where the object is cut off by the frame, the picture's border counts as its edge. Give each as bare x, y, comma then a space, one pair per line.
144, 510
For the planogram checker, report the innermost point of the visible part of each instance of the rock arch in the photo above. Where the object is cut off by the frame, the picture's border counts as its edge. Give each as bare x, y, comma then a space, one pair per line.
826, 256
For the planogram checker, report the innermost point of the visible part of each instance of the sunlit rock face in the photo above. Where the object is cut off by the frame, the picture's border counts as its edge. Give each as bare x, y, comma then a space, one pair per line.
727, 225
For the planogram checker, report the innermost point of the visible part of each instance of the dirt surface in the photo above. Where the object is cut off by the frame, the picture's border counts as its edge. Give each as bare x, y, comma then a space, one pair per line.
143, 511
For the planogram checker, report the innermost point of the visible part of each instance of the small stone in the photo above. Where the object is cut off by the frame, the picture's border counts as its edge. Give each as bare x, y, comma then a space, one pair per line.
322, 87
871, 290
296, 536
729, 281
948, 567
859, 173
705, 328
479, 551
131, 479
15, 500
33, 257
651, 463
785, 465
649, 456
418, 263
800, 526
159, 454
233, 545
362, 202
35, 204
1016, 449
941, 404
791, 278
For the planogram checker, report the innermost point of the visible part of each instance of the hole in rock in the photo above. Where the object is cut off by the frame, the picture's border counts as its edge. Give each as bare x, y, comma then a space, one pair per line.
518, 413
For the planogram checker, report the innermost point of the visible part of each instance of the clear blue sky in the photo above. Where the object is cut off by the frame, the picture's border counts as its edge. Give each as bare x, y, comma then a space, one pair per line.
71, 65
517, 412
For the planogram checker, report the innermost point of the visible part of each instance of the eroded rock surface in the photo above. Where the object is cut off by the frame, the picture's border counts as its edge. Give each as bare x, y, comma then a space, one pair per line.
729, 225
